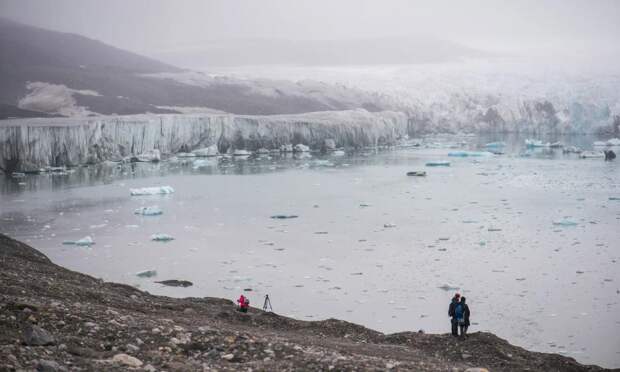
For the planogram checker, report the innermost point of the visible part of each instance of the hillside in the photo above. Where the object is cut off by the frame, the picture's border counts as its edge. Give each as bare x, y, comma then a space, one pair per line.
70, 75
59, 319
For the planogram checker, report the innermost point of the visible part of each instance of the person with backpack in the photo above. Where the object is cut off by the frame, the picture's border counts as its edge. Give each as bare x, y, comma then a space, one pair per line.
452, 313
465, 321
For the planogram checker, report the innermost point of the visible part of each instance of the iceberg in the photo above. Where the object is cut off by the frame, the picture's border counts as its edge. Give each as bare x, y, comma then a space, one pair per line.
206, 151
148, 211
86, 241
565, 222
438, 163
495, 144
241, 152
148, 156
338, 153
161, 237
301, 148
609, 142
156, 190
464, 154
591, 155
286, 148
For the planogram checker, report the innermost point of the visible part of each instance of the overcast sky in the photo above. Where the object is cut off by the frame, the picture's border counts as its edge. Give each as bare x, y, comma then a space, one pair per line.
152, 26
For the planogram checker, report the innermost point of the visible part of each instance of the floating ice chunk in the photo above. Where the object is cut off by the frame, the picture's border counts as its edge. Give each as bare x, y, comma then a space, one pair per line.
591, 154
206, 151
389, 225
609, 142
156, 190
565, 222
364, 205
262, 151
241, 152
286, 148
572, 150
417, 174
338, 153
438, 163
161, 237
86, 241
18, 175
146, 273
185, 155
149, 156
464, 154
301, 148
149, 211
536, 143
495, 144
201, 163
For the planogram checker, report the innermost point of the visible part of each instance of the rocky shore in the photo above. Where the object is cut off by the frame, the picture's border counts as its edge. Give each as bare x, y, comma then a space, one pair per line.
54, 319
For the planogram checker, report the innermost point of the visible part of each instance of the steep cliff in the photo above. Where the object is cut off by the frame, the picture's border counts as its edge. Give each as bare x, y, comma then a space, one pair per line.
30, 144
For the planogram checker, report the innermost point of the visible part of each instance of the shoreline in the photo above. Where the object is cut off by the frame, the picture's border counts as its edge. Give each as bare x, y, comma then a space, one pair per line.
90, 324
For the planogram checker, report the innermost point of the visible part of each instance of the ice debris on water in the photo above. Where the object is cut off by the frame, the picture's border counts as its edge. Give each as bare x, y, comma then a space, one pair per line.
156, 190
146, 273
161, 237
438, 163
301, 148
465, 154
609, 142
207, 151
149, 211
241, 152
565, 222
495, 144
86, 241
389, 225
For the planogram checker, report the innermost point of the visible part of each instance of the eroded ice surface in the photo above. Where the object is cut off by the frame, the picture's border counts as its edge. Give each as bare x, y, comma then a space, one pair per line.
483, 225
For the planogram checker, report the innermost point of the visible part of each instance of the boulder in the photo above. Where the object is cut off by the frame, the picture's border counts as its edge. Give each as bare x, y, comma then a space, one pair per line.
36, 336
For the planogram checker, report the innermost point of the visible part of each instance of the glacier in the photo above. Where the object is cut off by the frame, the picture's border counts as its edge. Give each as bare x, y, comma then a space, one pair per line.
31, 144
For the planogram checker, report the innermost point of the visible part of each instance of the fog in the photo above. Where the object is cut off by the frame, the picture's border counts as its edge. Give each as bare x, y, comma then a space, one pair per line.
179, 31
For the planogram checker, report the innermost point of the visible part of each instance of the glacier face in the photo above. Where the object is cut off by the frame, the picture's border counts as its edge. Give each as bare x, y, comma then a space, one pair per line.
31, 144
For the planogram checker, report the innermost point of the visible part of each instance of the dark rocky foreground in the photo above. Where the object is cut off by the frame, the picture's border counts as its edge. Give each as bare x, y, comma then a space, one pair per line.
54, 319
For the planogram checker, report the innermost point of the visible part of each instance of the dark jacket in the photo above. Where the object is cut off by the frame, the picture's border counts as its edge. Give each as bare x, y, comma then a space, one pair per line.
451, 308
466, 315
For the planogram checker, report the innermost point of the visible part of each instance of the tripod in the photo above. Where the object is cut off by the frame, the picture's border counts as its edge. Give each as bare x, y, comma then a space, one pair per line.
267, 304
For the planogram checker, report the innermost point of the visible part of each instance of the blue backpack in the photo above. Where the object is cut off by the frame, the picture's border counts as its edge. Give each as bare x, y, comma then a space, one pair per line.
459, 312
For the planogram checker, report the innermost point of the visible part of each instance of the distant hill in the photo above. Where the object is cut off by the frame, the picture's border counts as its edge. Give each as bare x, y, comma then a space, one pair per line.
56, 73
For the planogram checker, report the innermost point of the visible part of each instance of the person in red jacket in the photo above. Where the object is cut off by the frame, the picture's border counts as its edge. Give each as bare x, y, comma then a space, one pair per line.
243, 304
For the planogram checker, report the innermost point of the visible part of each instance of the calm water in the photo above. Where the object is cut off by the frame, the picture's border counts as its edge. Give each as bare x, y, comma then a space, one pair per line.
484, 225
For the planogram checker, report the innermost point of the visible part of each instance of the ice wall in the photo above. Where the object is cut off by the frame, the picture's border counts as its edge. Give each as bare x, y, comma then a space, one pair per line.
30, 144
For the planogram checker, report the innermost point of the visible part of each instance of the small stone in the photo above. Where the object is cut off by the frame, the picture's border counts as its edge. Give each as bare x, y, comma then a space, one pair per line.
37, 336
476, 369
127, 360
465, 356
188, 311
149, 368
228, 357
49, 366
89, 324
132, 347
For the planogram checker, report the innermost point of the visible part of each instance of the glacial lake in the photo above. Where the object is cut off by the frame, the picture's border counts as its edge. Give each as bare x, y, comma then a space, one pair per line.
530, 237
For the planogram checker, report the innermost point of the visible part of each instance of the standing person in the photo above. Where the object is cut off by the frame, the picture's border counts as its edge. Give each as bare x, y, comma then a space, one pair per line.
452, 314
244, 304
464, 324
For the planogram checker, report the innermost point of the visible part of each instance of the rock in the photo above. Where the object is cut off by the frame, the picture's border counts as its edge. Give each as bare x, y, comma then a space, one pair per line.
176, 283
476, 369
149, 368
36, 336
228, 357
132, 348
329, 144
49, 366
127, 360
146, 273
